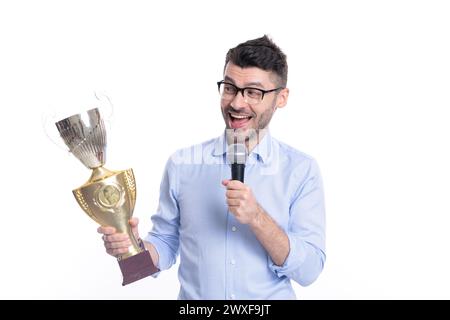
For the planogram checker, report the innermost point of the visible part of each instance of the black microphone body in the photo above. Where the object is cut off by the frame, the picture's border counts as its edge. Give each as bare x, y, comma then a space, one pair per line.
237, 171
237, 156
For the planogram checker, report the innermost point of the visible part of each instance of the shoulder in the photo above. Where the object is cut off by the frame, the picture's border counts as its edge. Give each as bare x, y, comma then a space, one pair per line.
292, 155
300, 165
303, 169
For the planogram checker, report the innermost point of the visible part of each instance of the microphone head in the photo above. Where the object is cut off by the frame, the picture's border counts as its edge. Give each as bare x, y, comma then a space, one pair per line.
237, 153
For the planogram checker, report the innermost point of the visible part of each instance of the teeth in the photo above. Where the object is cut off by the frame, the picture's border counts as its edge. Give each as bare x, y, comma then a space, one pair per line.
239, 117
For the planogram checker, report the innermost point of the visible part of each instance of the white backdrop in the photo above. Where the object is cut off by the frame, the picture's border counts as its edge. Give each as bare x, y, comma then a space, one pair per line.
369, 100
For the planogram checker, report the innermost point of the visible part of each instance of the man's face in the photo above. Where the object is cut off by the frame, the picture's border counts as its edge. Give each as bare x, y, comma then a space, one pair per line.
246, 118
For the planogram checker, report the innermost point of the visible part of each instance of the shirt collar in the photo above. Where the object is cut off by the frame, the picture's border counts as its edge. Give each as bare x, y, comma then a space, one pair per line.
262, 150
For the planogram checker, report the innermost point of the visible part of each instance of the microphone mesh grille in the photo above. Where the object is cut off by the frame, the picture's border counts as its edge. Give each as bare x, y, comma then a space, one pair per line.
237, 153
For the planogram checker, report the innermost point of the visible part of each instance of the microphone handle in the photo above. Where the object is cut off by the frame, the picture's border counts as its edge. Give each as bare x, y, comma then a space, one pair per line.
237, 172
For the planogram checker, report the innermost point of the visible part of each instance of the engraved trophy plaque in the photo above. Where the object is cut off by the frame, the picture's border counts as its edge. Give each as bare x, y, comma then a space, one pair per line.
108, 197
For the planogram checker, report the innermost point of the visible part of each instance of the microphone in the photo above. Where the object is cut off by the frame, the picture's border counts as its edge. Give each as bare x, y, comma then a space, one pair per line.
237, 156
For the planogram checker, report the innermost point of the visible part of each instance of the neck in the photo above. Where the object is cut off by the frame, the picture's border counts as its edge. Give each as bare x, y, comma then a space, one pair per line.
251, 141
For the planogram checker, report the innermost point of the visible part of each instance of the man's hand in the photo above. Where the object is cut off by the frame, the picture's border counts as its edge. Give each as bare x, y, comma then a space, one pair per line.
117, 243
242, 202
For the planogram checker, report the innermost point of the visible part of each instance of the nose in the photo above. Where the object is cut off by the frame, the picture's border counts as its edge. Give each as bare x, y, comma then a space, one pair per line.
239, 101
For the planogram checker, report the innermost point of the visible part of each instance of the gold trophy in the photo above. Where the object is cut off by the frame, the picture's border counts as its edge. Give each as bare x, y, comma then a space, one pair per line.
108, 197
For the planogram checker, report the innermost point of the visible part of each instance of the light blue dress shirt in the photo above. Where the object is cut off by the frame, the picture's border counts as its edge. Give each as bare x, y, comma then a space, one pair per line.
221, 258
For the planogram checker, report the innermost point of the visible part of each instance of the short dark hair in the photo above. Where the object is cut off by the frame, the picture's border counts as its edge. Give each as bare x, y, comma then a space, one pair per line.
262, 53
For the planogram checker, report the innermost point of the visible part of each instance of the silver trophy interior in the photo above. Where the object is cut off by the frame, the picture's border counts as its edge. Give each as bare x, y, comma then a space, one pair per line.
85, 136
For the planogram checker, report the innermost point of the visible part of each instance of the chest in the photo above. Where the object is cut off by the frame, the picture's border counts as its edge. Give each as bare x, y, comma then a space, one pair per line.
202, 200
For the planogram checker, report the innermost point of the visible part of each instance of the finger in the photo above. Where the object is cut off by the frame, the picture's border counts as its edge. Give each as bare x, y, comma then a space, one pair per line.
134, 227
134, 222
235, 185
233, 210
225, 182
116, 252
106, 230
233, 194
115, 237
233, 202
117, 245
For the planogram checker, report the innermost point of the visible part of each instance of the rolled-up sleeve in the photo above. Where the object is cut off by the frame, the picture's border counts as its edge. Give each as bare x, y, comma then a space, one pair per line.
306, 231
165, 234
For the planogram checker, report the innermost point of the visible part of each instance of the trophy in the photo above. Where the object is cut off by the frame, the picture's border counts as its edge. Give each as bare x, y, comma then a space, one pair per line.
108, 197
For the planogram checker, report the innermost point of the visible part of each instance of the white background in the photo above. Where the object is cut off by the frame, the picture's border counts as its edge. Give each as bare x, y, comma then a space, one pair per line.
369, 100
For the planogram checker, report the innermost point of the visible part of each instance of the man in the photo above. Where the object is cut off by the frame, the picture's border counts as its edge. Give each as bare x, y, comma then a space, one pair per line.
240, 240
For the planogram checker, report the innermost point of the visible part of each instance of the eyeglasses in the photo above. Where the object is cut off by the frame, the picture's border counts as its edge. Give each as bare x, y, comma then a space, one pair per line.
251, 95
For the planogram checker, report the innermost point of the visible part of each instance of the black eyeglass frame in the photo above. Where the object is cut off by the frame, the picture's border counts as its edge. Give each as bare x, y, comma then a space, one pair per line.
242, 89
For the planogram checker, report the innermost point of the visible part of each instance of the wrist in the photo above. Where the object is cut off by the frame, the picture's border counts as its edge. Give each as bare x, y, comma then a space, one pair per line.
257, 219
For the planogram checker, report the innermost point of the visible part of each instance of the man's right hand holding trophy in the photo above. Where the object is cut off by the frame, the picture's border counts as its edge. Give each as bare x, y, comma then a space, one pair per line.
117, 244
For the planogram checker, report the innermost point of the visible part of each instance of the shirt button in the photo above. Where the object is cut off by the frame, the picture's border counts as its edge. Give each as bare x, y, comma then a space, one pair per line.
233, 228
233, 262
232, 296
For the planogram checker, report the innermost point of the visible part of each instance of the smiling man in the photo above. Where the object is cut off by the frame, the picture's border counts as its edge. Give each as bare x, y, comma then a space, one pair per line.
239, 240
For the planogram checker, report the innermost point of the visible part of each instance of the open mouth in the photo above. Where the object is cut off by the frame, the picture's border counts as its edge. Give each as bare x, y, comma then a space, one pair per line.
238, 120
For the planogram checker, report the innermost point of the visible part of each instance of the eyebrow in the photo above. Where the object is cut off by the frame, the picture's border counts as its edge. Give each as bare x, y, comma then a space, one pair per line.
258, 84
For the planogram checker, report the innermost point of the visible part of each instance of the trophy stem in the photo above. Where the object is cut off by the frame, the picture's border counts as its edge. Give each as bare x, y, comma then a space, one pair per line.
135, 248
100, 173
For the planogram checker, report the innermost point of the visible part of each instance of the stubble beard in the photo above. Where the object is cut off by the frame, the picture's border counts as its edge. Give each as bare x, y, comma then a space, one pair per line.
251, 136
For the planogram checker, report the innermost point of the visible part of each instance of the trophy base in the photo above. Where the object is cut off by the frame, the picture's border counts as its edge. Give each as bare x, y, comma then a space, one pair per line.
137, 267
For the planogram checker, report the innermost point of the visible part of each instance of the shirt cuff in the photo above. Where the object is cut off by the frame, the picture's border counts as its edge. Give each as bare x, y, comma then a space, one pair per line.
294, 260
157, 244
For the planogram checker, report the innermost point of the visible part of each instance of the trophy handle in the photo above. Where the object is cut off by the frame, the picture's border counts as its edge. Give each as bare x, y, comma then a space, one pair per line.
107, 108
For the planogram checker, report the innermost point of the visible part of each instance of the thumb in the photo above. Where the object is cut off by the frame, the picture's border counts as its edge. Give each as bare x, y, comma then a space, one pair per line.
134, 222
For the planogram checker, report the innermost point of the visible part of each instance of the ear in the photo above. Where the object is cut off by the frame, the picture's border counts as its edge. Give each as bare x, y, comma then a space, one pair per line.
282, 98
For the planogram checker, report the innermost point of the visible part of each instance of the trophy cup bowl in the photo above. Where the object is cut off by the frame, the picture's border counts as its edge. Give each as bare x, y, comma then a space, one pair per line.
108, 197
